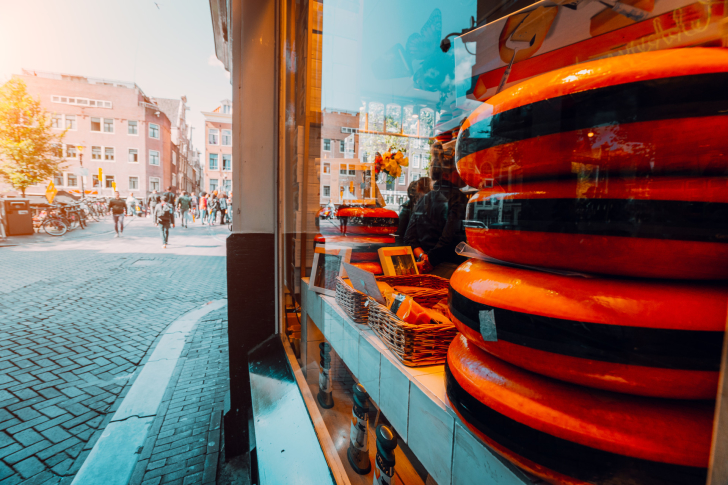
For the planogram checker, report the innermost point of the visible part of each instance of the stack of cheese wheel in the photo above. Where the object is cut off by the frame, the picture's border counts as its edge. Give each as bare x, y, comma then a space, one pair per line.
364, 249
616, 166
364, 229
618, 169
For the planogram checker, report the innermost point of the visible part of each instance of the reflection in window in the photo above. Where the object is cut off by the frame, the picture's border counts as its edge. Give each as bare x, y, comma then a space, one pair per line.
376, 117
363, 118
409, 122
394, 118
427, 122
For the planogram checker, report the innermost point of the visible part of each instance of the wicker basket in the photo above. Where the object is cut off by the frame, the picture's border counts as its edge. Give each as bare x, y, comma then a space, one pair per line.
353, 302
414, 345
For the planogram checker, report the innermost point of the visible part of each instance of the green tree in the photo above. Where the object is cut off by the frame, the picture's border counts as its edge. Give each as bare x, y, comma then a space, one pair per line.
29, 148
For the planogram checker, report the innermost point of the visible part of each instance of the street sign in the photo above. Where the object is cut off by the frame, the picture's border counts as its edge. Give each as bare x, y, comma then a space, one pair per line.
101, 174
51, 192
79, 148
113, 184
83, 172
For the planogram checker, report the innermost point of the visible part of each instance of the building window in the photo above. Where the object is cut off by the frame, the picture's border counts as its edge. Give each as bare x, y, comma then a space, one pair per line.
352, 169
133, 183
71, 122
415, 177
153, 131
342, 169
327, 191
58, 179
109, 154
109, 181
58, 150
108, 125
213, 185
400, 181
132, 128
212, 136
153, 157
153, 183
81, 101
342, 147
416, 160
227, 109
227, 186
72, 180
95, 153
174, 158
95, 124
213, 161
227, 138
95, 181
133, 155
327, 145
227, 163
57, 121
326, 168
70, 151
174, 179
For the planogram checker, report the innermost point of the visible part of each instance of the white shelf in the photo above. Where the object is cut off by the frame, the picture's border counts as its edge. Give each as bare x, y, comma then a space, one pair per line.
412, 398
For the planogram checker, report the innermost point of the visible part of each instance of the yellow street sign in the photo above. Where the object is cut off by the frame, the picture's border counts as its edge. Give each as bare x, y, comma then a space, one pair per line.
113, 184
101, 174
80, 148
51, 192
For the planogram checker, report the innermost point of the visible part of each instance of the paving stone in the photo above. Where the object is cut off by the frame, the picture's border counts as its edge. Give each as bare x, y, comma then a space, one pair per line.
29, 467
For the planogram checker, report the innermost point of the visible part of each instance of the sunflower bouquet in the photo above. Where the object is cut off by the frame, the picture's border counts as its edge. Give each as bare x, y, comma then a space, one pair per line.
390, 163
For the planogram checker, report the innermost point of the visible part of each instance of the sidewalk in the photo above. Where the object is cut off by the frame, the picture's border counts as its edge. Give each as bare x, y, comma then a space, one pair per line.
101, 228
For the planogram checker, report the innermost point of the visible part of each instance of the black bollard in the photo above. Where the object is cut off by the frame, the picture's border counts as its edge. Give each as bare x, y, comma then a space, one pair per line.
384, 465
358, 452
325, 398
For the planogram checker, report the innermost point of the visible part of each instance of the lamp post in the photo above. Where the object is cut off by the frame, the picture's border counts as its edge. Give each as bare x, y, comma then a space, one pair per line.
80, 161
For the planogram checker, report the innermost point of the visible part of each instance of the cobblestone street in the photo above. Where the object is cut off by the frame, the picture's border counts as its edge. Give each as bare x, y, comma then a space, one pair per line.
78, 317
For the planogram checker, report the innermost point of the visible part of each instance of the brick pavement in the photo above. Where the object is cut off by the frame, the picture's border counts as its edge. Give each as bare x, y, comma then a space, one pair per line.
183, 446
76, 319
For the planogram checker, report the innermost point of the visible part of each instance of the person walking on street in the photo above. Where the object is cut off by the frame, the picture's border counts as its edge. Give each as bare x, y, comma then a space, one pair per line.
171, 198
164, 217
223, 208
195, 214
203, 207
213, 206
118, 209
152, 202
184, 204
131, 204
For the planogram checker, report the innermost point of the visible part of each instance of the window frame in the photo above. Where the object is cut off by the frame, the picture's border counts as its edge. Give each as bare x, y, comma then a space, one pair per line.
342, 146
113, 154
217, 162
326, 168
213, 132
229, 159
68, 179
152, 182
75, 151
101, 153
73, 119
57, 121
108, 185
158, 157
100, 122
402, 180
212, 189
156, 128
229, 135
104, 124
327, 188
343, 169
326, 141
136, 181
135, 124
128, 158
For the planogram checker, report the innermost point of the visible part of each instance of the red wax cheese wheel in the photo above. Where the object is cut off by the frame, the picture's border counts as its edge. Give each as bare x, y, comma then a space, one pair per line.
364, 248
367, 220
661, 339
571, 434
652, 113
653, 227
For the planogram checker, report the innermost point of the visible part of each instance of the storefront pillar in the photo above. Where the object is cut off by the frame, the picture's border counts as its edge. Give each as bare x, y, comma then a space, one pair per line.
251, 249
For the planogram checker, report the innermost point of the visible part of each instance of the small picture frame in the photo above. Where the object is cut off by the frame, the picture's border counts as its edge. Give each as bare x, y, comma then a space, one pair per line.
327, 265
398, 261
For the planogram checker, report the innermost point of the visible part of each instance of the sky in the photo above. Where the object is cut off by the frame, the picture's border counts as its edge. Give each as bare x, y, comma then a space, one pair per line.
165, 46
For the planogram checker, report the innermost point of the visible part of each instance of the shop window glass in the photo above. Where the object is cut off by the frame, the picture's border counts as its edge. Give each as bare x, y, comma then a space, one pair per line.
72, 180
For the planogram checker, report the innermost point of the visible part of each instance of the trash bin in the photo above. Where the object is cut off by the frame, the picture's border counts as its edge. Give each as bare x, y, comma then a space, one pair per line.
17, 217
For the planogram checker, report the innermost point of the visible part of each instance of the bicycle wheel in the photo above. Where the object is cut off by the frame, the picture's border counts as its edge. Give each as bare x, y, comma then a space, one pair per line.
54, 227
71, 220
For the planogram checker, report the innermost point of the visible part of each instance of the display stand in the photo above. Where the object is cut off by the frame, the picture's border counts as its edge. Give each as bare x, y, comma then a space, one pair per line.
412, 399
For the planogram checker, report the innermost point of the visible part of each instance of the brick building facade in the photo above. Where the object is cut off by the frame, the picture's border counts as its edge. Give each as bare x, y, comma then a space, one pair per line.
218, 162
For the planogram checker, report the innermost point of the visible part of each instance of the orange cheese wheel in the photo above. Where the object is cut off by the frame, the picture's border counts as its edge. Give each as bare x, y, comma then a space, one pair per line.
568, 434
653, 113
650, 338
362, 221
653, 227
364, 248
